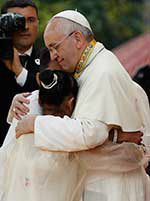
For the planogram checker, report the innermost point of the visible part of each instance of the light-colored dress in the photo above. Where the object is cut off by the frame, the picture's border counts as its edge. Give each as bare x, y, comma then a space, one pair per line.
32, 174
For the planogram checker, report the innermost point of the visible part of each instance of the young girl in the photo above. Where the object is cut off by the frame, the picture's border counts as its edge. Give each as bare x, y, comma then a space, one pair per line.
33, 173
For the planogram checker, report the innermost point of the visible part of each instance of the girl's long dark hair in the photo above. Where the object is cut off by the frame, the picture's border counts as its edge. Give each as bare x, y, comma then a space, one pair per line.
55, 86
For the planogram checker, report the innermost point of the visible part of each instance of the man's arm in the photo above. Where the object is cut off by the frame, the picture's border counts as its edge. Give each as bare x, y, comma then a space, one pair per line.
25, 78
14, 65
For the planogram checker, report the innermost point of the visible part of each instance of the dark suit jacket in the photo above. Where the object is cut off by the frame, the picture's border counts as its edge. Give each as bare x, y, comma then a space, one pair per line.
9, 88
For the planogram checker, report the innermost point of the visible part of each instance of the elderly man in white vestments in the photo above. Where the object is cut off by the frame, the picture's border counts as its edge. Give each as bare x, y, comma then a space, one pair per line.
107, 99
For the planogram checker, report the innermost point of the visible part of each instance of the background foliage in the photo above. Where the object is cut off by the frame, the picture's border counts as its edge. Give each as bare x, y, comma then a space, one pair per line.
113, 22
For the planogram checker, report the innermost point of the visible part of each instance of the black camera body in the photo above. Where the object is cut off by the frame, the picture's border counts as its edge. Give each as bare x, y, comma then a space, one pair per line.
9, 23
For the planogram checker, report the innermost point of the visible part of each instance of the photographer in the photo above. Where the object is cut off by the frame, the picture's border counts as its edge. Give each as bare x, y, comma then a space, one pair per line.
16, 76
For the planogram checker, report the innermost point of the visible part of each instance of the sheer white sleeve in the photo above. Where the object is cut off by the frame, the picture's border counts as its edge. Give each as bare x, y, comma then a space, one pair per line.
66, 134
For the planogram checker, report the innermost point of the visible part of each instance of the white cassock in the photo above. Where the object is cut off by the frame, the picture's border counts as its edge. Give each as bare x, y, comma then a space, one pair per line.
107, 97
30, 174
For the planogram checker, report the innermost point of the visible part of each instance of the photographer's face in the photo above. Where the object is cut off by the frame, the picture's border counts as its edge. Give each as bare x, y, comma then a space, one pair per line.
23, 40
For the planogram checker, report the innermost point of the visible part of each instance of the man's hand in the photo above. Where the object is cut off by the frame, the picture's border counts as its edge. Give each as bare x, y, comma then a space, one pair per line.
25, 126
15, 65
134, 137
19, 105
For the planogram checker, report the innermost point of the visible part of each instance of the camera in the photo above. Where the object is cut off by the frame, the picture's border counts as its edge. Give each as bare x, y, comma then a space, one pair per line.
9, 23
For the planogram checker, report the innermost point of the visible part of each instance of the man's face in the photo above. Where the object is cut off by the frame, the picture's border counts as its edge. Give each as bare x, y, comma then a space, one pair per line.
23, 40
62, 48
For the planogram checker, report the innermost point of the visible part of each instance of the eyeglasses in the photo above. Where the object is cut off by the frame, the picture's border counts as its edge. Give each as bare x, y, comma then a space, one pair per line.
57, 45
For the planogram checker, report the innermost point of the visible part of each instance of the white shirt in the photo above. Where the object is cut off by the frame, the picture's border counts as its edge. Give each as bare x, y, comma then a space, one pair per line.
21, 78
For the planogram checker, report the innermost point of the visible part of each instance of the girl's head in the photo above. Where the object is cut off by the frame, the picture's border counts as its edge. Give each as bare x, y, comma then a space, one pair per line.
58, 92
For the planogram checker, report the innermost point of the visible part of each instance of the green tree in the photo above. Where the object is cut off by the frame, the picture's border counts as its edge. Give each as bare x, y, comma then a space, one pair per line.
113, 22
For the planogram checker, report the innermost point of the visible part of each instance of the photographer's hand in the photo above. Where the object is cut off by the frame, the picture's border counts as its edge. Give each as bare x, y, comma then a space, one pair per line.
15, 65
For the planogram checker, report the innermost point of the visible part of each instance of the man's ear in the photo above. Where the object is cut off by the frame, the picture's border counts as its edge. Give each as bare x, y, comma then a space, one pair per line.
79, 39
